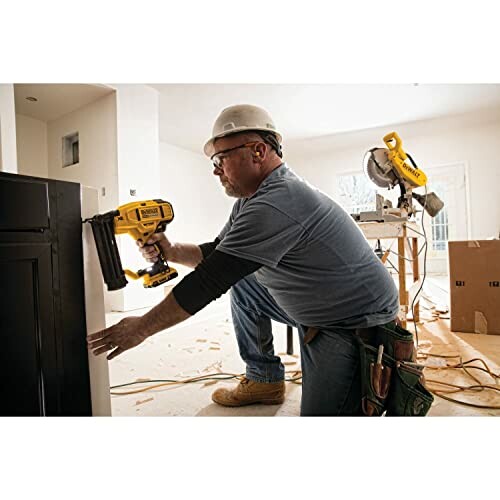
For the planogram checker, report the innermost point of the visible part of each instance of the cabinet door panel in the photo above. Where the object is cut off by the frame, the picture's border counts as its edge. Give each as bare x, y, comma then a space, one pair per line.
28, 363
15, 192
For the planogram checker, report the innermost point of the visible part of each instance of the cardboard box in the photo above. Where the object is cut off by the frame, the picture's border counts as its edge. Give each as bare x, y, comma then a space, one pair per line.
475, 286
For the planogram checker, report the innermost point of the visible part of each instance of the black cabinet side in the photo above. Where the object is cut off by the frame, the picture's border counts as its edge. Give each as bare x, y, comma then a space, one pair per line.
69, 298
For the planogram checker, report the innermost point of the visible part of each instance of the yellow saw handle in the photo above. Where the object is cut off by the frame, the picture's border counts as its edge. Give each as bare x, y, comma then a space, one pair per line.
399, 159
397, 146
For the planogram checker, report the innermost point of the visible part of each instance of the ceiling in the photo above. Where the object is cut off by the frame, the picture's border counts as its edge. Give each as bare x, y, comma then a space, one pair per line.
55, 100
301, 112
187, 111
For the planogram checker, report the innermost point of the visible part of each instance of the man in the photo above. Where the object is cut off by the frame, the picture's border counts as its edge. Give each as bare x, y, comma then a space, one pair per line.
288, 253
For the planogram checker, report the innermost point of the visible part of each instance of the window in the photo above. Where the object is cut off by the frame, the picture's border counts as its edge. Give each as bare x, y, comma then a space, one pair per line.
356, 193
439, 223
440, 230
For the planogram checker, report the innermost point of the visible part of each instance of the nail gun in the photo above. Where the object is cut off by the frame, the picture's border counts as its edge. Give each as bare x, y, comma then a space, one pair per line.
140, 219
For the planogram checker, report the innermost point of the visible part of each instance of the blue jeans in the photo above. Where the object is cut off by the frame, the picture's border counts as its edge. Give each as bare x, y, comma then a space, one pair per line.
330, 362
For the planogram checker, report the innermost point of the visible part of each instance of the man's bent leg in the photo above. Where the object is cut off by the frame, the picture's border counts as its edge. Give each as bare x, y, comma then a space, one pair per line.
252, 309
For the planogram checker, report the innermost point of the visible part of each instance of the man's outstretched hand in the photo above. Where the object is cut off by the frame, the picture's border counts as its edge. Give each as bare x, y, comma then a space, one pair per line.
117, 338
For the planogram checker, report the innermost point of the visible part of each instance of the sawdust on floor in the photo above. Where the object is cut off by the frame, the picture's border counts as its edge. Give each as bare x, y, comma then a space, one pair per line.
208, 345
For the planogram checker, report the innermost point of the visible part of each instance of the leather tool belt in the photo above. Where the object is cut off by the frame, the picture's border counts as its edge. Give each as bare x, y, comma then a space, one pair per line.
392, 383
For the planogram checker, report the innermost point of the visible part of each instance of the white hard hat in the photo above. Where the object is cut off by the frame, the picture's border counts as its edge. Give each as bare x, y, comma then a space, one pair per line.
240, 118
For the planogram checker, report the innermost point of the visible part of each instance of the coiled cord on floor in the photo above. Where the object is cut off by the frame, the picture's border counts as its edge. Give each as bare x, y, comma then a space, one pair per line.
462, 365
295, 377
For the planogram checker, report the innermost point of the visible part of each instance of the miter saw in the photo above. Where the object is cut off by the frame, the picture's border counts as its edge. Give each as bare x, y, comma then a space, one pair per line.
391, 166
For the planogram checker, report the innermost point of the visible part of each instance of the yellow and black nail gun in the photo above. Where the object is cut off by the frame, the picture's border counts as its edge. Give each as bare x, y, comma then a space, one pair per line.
140, 219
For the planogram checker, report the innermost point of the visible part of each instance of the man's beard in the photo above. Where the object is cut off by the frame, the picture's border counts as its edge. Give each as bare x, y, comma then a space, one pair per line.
231, 191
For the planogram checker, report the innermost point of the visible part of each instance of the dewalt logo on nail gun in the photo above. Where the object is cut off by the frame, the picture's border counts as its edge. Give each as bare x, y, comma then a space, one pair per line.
147, 213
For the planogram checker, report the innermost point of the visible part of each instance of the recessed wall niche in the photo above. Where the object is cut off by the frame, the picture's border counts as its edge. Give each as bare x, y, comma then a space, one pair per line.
71, 150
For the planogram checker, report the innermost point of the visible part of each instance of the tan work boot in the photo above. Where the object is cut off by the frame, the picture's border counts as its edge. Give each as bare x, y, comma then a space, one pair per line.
249, 392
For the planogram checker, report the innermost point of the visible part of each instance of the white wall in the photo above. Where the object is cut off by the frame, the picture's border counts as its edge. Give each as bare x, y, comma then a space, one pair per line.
97, 167
32, 154
138, 141
469, 138
119, 150
8, 153
200, 205
138, 169
96, 126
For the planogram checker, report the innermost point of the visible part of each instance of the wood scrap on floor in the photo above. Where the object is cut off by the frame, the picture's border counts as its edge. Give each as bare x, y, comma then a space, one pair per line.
217, 366
210, 382
140, 402
435, 362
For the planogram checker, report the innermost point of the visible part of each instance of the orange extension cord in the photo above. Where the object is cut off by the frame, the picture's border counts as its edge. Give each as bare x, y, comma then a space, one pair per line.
477, 387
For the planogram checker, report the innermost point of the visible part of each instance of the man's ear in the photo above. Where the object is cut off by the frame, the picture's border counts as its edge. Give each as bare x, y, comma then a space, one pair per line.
260, 152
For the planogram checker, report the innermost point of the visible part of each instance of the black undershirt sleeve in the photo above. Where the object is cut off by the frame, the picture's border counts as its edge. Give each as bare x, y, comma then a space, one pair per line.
208, 248
213, 276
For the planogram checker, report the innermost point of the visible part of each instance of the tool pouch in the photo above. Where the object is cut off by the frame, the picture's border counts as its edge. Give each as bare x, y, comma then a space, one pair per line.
395, 385
408, 395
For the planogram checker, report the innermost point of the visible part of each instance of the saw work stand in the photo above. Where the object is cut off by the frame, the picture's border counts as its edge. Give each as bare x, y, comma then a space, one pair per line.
407, 235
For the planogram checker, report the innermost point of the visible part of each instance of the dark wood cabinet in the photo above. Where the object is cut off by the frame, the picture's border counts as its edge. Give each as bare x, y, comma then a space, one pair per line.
43, 353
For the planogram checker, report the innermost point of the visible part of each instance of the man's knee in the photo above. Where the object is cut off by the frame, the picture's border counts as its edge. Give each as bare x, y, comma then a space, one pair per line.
241, 292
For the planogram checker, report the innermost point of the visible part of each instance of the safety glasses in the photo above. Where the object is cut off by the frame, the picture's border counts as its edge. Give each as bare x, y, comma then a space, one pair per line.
218, 158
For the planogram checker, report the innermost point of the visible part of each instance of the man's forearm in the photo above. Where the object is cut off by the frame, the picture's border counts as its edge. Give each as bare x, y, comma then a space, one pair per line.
166, 314
186, 254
